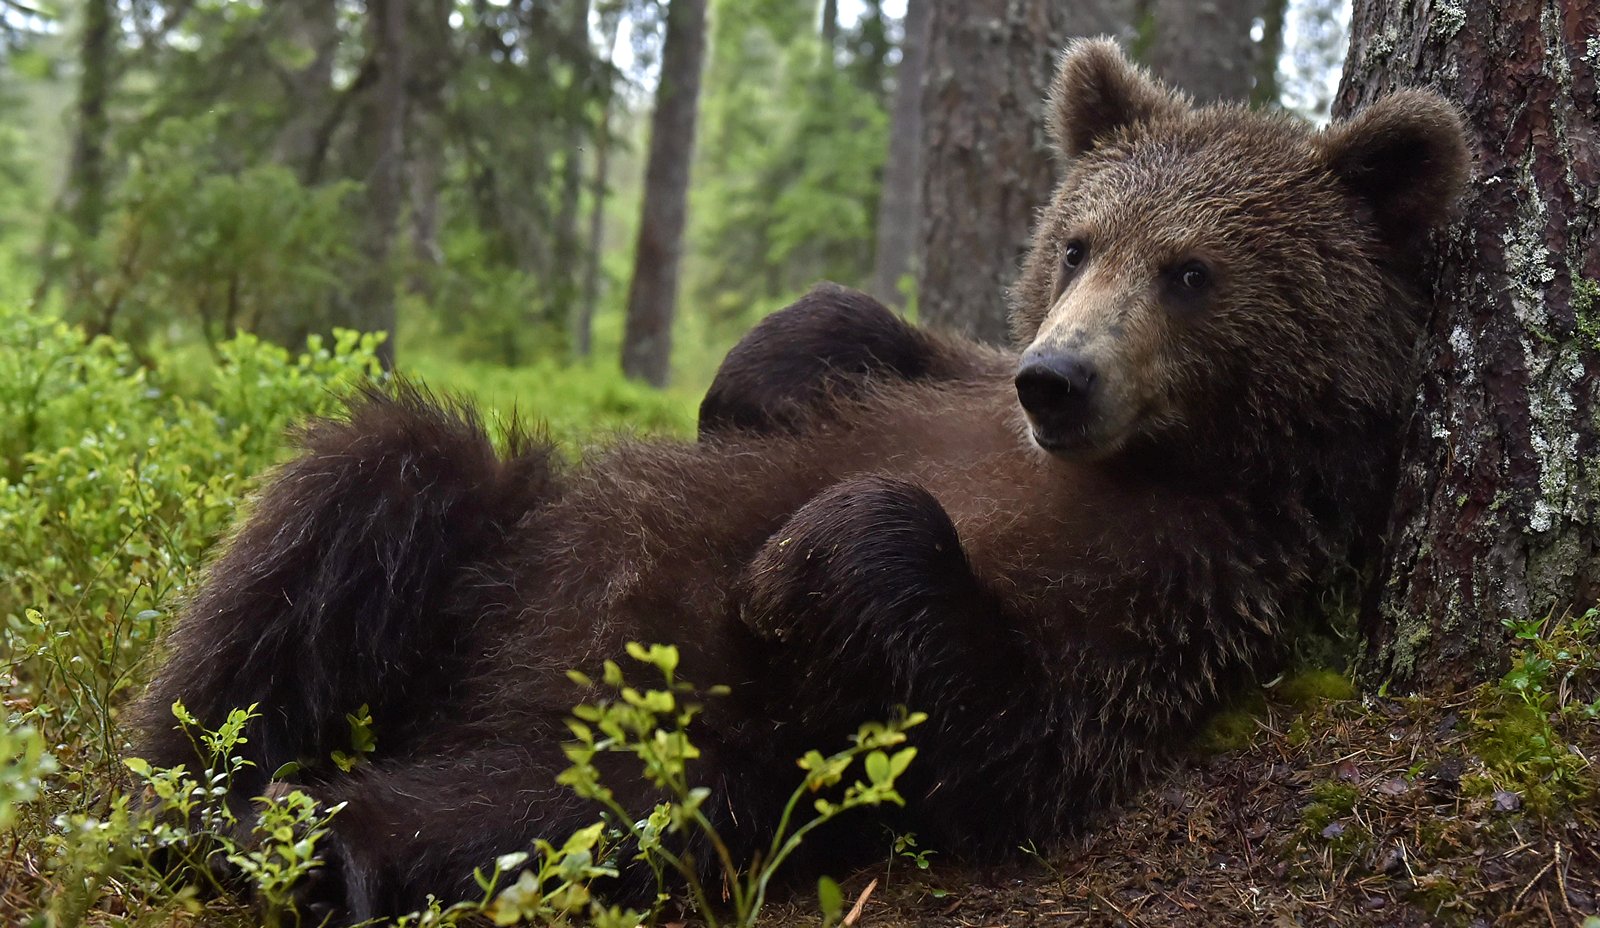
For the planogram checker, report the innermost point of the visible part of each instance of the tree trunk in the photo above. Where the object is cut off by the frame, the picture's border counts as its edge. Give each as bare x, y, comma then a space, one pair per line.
1495, 516
830, 29
899, 204
432, 62
313, 25
988, 164
652, 296
1204, 46
583, 317
564, 295
86, 179
381, 143
1267, 91
81, 202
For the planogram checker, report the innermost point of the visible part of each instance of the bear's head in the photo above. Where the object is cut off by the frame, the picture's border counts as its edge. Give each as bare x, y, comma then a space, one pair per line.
1213, 280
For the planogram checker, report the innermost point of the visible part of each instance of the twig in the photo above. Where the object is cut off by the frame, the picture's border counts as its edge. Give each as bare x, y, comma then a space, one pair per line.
861, 904
1536, 878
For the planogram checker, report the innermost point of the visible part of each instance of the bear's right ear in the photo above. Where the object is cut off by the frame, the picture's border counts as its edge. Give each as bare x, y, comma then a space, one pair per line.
1097, 91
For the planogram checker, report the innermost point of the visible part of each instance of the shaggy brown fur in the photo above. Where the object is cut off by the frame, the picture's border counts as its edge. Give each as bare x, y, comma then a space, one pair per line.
870, 519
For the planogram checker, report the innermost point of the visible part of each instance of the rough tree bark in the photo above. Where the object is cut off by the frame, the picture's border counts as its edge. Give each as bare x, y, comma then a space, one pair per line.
988, 161
653, 293
1495, 515
380, 141
900, 202
1204, 46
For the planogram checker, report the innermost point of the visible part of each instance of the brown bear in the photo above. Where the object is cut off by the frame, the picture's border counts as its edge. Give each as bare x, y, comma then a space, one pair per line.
1062, 555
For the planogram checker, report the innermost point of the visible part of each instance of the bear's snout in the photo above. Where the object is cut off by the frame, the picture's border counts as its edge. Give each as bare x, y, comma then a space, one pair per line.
1056, 389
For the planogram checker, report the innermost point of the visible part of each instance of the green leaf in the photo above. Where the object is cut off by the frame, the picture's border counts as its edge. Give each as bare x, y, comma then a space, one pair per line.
830, 898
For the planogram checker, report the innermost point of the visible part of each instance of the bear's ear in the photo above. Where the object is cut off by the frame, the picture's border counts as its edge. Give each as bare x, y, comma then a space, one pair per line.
1405, 157
1098, 91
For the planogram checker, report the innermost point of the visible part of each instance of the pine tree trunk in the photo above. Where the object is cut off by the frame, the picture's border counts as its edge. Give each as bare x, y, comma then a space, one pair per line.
314, 26
86, 179
583, 316
1204, 46
1266, 91
568, 266
1496, 514
652, 296
988, 166
899, 203
381, 144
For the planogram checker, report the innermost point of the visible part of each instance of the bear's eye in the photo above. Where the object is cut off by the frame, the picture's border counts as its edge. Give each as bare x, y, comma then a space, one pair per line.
1194, 276
1073, 256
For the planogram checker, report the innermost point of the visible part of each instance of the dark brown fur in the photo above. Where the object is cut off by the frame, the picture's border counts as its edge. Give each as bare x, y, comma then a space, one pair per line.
866, 521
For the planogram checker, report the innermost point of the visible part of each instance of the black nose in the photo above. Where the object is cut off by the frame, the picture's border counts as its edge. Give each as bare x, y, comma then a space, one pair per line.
1055, 388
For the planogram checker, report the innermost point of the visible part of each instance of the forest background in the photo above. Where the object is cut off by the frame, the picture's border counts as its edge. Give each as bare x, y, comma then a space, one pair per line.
470, 175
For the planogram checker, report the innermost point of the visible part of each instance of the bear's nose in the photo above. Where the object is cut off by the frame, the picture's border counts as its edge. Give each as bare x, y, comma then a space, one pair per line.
1055, 388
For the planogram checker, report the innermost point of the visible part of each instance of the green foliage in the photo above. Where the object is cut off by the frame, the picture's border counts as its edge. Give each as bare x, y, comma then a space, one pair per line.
653, 727
189, 239
791, 163
1517, 722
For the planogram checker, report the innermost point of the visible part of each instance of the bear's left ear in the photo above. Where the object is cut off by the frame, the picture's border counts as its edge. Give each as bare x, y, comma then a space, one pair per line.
1097, 91
1405, 157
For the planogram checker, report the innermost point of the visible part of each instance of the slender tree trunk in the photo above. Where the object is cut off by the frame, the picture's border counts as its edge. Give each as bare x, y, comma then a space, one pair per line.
583, 317
1497, 514
568, 264
82, 201
1268, 51
652, 296
900, 203
311, 24
381, 140
433, 59
830, 29
86, 178
1204, 46
989, 167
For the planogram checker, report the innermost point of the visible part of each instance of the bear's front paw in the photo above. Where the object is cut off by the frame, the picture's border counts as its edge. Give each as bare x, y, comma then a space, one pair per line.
867, 551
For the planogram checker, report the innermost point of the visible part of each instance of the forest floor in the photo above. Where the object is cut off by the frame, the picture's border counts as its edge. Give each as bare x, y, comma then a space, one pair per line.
1385, 813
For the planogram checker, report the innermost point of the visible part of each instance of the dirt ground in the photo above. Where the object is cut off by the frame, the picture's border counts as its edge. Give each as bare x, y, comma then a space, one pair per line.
1345, 815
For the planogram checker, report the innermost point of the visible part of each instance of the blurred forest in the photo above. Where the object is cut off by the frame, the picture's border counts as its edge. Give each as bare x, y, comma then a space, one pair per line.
555, 182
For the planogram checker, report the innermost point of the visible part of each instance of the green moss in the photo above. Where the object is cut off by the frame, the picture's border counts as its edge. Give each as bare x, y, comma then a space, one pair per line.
1234, 728
1586, 309
1307, 688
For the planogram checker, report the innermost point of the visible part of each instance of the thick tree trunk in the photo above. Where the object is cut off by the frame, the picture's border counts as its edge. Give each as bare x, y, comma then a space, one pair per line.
988, 164
899, 204
653, 294
1204, 46
381, 144
1496, 515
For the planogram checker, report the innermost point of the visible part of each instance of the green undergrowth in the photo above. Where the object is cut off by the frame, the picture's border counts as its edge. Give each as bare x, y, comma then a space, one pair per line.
118, 474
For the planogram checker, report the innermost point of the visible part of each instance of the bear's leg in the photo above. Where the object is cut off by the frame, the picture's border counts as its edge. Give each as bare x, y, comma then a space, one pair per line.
832, 344
414, 828
337, 591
